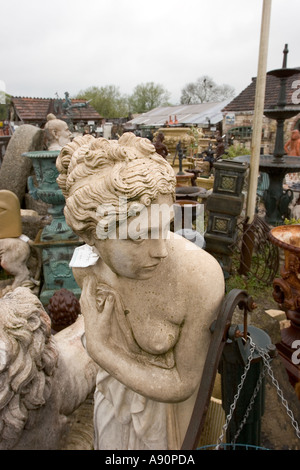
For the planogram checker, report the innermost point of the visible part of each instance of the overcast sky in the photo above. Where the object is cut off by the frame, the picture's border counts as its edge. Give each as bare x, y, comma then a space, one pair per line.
69, 45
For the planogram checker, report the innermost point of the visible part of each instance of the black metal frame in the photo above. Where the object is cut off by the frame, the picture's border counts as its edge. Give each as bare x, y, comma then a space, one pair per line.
219, 329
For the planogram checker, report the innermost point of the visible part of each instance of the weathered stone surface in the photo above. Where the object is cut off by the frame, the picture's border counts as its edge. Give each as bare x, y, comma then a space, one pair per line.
18, 255
79, 433
43, 378
15, 169
32, 222
147, 302
14, 254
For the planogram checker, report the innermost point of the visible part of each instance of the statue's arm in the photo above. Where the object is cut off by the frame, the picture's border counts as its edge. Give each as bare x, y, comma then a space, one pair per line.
287, 146
161, 384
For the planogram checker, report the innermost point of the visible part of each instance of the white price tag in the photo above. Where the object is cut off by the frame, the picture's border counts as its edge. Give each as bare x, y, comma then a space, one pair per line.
83, 257
24, 238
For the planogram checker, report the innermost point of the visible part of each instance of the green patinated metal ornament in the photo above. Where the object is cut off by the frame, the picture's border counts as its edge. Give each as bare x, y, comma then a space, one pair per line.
57, 241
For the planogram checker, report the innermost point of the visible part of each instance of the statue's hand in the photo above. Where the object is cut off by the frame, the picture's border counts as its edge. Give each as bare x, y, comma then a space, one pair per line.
97, 306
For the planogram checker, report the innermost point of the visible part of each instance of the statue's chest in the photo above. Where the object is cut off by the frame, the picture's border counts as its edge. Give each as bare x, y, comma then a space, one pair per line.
155, 327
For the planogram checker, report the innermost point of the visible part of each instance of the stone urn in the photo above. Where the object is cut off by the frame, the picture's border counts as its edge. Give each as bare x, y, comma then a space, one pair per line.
175, 134
57, 240
47, 190
286, 292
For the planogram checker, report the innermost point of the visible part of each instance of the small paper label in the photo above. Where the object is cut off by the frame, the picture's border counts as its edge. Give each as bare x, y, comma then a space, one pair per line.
83, 257
24, 238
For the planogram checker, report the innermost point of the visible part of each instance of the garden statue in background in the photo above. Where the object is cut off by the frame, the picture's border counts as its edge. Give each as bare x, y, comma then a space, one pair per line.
209, 156
63, 309
43, 378
57, 133
67, 105
292, 147
14, 249
159, 145
147, 296
181, 156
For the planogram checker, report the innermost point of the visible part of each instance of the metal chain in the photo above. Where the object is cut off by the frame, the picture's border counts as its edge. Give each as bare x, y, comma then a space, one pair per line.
251, 403
267, 368
236, 397
290, 414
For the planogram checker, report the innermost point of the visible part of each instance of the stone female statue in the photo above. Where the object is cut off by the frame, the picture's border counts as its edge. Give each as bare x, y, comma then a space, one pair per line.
148, 296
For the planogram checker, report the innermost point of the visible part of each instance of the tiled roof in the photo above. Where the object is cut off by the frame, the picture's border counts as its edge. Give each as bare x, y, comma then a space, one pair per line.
36, 109
245, 100
31, 108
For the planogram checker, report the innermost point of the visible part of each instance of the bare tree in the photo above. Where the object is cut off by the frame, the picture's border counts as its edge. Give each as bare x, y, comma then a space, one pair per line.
205, 90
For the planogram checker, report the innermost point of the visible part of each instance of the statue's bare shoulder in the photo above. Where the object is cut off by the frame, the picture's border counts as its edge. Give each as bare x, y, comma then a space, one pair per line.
195, 263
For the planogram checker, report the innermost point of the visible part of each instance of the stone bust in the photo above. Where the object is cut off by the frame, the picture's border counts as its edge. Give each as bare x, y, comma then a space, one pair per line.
147, 299
57, 133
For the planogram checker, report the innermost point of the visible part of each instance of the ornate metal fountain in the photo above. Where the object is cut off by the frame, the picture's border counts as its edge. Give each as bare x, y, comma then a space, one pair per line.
275, 198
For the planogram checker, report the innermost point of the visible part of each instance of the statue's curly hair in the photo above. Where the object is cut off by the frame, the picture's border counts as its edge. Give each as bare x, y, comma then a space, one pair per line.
28, 356
100, 172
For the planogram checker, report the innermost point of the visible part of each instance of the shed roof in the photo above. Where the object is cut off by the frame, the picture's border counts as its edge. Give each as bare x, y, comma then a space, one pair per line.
36, 109
246, 99
187, 114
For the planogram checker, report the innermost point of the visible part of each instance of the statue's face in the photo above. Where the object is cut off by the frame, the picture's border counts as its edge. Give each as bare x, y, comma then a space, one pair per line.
64, 135
138, 253
59, 136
